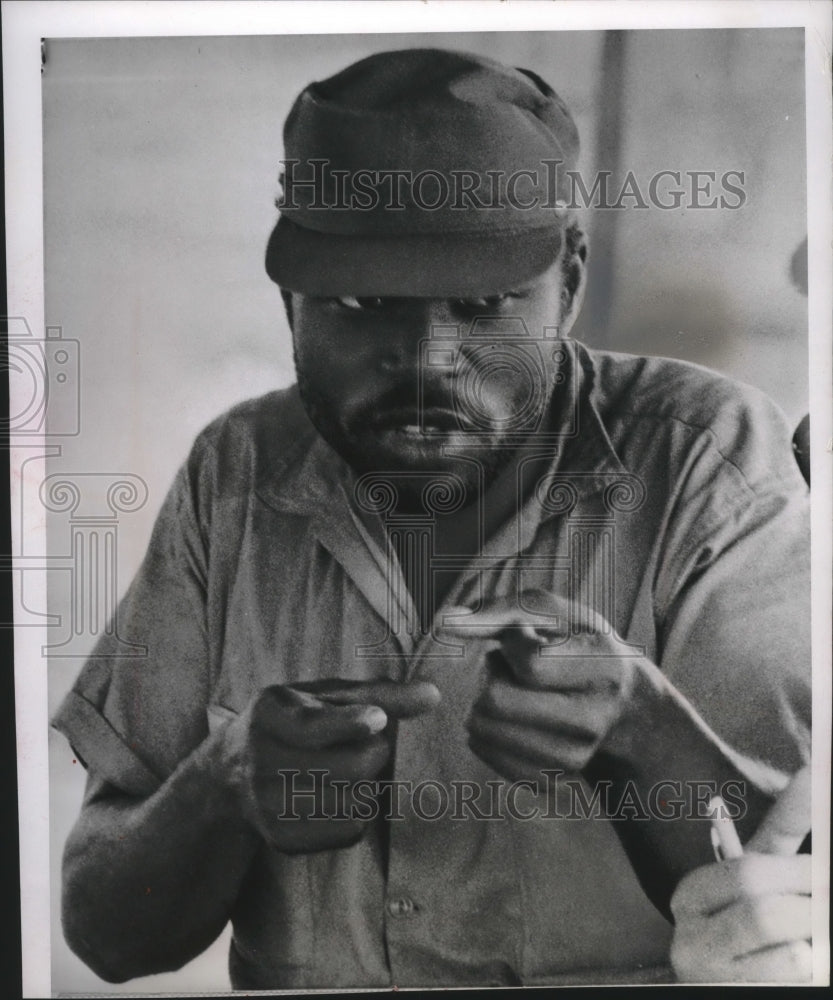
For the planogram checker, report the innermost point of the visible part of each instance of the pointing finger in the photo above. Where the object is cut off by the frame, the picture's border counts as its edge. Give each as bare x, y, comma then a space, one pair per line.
531, 615
396, 699
507, 614
302, 720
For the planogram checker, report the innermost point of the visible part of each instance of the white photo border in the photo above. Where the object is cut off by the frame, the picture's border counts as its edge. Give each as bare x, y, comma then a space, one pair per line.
25, 23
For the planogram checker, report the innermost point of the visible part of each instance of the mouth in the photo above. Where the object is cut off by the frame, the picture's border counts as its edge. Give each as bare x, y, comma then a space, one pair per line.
417, 424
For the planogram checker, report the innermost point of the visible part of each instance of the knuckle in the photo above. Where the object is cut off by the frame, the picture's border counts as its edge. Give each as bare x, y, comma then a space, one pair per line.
759, 919
500, 697
477, 725
571, 756
691, 891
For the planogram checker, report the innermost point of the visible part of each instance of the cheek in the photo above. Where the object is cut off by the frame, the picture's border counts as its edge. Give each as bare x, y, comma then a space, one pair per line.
325, 345
317, 352
337, 377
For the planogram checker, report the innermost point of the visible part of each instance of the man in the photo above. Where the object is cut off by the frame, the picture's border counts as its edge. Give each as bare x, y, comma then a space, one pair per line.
450, 645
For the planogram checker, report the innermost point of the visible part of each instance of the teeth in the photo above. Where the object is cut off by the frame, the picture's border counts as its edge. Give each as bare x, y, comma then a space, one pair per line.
418, 430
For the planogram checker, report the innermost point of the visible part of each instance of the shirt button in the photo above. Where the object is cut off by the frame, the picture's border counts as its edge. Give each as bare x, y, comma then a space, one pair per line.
402, 907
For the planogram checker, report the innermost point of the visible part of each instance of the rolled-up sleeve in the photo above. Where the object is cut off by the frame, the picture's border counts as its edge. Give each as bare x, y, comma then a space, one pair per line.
132, 719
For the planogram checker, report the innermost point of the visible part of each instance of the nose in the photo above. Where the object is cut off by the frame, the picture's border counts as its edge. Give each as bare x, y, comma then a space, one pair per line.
414, 323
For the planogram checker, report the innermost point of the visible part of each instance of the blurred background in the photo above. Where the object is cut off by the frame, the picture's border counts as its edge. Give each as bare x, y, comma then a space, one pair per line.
161, 162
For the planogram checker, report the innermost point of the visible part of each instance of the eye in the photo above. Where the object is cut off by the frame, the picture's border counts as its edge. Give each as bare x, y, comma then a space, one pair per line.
487, 302
360, 302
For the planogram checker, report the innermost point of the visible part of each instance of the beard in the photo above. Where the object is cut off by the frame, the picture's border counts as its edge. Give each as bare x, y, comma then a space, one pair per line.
367, 442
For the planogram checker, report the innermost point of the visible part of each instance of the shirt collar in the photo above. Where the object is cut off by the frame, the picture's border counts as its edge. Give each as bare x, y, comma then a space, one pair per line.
588, 447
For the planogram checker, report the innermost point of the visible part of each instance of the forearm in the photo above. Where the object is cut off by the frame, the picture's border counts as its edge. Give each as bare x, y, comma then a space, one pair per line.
673, 762
149, 884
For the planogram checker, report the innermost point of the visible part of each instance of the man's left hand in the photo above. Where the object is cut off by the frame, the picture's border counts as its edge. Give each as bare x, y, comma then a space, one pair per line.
553, 691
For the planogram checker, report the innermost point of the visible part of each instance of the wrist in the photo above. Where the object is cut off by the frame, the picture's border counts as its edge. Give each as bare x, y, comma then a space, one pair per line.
222, 762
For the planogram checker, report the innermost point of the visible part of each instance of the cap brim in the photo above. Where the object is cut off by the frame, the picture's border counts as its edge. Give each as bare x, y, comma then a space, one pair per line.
437, 265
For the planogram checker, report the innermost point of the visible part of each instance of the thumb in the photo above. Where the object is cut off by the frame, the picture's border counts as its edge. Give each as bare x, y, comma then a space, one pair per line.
788, 821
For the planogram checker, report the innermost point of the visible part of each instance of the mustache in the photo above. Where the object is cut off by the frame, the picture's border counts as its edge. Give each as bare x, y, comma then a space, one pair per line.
403, 403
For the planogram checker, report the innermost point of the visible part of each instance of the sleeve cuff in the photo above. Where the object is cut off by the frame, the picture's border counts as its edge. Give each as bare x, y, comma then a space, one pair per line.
102, 749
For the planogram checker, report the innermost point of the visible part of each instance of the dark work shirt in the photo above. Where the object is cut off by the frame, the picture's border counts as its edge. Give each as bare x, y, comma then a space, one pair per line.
672, 504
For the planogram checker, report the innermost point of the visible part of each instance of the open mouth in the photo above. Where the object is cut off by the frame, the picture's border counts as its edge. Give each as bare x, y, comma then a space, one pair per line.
421, 430
416, 424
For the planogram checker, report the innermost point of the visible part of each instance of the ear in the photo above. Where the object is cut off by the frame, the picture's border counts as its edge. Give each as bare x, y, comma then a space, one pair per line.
573, 276
287, 304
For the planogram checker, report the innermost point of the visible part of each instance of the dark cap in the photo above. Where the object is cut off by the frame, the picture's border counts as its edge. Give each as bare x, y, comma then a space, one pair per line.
422, 172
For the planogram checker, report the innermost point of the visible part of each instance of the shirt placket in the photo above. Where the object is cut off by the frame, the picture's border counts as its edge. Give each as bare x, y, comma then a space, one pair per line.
411, 897
411, 891
376, 574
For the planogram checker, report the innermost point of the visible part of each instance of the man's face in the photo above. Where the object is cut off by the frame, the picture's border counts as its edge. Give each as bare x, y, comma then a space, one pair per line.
389, 400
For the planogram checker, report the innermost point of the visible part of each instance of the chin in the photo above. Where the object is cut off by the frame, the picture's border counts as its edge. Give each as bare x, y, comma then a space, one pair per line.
423, 459
414, 463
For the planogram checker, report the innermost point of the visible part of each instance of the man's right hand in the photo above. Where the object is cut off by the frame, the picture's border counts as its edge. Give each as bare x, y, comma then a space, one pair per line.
297, 753
748, 919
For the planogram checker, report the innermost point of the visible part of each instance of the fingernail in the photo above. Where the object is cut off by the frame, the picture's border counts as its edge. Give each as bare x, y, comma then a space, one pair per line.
305, 699
532, 634
375, 719
456, 612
